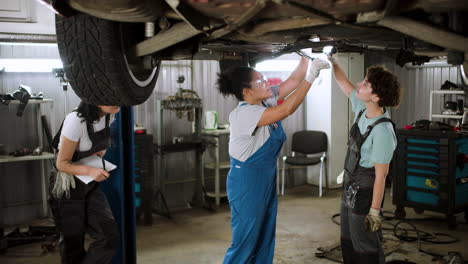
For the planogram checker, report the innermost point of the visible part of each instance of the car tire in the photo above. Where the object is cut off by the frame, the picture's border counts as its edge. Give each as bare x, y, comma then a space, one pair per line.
93, 53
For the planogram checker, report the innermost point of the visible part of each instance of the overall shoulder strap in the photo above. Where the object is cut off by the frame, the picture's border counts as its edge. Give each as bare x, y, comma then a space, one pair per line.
378, 121
90, 127
360, 114
107, 120
56, 139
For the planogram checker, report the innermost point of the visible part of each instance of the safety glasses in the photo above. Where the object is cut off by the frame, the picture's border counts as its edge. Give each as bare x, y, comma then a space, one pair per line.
260, 81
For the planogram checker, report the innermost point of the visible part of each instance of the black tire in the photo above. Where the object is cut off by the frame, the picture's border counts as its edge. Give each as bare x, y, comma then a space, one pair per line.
93, 55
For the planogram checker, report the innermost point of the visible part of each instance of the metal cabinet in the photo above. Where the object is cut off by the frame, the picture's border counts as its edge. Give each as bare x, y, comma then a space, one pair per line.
431, 173
26, 17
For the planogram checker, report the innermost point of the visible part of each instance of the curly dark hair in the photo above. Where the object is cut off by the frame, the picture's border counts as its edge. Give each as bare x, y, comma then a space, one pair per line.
90, 113
385, 85
234, 81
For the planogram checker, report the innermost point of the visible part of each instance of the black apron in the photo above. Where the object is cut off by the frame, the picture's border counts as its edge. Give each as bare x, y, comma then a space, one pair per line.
87, 210
359, 246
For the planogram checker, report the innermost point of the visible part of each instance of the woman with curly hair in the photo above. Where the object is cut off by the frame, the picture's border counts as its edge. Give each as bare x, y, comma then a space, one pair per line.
371, 144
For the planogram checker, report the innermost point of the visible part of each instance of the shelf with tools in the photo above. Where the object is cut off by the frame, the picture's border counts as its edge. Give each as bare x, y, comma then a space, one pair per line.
10, 158
217, 165
447, 116
35, 101
26, 155
221, 165
443, 92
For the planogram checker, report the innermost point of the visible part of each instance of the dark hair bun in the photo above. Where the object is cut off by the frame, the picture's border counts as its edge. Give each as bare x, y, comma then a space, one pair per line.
234, 81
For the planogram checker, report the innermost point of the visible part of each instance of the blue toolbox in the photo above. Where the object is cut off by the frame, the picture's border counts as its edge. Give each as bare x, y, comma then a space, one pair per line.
431, 173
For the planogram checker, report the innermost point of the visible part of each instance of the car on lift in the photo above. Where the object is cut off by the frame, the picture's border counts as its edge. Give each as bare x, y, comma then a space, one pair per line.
111, 50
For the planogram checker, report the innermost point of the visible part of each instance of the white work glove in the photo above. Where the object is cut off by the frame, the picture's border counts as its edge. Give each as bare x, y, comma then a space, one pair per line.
373, 220
64, 182
333, 60
315, 67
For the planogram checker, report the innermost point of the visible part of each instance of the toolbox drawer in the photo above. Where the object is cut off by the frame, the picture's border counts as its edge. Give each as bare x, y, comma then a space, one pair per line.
422, 197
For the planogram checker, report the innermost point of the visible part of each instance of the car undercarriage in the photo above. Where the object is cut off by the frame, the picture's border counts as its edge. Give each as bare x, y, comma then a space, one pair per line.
144, 32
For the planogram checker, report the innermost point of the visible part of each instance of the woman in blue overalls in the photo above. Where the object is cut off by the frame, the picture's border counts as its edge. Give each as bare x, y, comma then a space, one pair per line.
371, 144
255, 142
80, 208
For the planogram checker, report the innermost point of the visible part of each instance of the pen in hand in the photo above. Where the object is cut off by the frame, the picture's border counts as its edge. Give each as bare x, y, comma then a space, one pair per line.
103, 163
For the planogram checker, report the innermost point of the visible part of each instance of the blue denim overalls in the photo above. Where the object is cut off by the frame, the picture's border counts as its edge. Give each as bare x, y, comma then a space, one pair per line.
251, 189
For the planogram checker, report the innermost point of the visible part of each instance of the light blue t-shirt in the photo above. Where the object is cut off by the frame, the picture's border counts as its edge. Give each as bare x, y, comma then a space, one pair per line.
379, 146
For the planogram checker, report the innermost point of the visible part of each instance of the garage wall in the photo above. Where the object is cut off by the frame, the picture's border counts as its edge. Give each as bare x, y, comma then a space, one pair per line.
200, 76
23, 178
291, 124
294, 122
20, 181
417, 82
64, 101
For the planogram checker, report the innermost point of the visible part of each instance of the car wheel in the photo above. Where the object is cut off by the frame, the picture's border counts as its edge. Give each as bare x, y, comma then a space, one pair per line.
94, 56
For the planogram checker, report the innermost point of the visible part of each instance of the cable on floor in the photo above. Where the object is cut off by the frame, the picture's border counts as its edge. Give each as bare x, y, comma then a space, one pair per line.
413, 233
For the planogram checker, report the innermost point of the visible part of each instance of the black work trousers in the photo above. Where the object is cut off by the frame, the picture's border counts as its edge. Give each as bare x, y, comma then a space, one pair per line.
86, 211
359, 246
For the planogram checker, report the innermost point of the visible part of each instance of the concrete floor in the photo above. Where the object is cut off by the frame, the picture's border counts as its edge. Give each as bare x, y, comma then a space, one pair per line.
303, 224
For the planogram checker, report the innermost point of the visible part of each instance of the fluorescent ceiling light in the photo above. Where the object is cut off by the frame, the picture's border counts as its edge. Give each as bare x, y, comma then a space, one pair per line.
29, 65
277, 65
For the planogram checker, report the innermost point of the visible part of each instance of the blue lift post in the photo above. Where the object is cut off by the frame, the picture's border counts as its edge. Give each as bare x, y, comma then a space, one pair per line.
120, 188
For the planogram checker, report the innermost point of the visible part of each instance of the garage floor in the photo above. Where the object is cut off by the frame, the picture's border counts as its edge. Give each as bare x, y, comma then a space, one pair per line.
199, 236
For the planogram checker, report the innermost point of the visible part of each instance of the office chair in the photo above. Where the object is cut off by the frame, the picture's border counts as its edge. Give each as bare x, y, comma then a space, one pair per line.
307, 142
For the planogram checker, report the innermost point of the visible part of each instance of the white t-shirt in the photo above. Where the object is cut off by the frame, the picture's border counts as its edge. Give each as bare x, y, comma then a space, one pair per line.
74, 128
243, 122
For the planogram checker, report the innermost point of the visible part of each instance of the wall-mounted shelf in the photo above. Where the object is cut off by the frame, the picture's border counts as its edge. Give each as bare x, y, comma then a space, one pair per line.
443, 92
447, 92
222, 165
14, 102
9, 158
447, 116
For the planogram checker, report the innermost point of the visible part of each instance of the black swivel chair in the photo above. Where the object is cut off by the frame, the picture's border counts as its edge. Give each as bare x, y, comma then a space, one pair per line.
307, 142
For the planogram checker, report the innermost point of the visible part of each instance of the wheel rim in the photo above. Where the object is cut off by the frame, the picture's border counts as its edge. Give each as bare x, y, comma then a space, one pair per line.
141, 83
128, 38
463, 71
